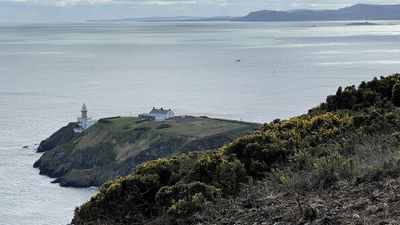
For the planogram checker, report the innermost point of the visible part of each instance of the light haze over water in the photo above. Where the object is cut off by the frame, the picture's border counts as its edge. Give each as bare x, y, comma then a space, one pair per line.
254, 71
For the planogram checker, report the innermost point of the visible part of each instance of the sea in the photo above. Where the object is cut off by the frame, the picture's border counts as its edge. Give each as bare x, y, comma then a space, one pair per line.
236, 70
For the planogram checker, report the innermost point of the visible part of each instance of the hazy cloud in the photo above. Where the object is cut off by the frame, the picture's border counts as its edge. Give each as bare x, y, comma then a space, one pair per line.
168, 2
133, 2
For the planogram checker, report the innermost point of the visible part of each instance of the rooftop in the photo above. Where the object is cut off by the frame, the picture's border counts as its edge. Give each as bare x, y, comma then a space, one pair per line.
159, 111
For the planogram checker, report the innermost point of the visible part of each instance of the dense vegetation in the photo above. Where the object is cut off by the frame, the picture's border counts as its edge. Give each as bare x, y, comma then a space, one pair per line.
353, 136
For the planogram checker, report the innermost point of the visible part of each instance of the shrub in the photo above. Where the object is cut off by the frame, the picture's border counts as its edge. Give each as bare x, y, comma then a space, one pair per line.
330, 169
167, 169
120, 197
396, 94
182, 200
388, 169
367, 94
306, 172
277, 141
220, 171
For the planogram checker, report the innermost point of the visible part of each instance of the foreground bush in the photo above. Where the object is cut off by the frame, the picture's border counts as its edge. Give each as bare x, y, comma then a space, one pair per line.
303, 153
178, 186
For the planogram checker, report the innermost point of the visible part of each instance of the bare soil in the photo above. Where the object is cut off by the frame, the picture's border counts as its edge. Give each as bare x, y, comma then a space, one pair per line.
367, 203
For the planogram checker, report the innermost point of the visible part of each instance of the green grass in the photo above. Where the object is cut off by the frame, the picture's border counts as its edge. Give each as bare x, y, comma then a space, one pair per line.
129, 136
191, 126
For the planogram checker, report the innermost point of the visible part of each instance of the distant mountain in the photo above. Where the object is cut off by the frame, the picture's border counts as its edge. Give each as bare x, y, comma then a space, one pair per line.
355, 12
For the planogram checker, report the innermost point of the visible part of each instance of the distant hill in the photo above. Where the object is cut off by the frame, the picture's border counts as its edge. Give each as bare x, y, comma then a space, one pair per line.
355, 12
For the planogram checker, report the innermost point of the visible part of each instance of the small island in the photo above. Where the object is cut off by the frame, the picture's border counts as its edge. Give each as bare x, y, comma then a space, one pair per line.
366, 23
112, 147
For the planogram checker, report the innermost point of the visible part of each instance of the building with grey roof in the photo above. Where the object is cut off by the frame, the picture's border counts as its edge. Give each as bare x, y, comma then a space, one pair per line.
158, 115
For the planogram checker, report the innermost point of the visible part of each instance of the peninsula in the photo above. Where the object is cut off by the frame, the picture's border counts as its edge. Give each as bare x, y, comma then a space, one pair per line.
112, 147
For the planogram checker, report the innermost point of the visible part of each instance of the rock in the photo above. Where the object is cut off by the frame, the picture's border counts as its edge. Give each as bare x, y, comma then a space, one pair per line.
356, 216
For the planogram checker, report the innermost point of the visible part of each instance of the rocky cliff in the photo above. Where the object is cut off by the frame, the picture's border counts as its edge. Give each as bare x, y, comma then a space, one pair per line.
60, 137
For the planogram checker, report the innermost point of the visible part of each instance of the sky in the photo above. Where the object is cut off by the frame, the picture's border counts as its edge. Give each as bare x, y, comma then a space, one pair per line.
82, 10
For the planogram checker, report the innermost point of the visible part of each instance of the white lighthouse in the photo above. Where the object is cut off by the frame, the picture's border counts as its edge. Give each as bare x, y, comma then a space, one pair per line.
84, 111
84, 122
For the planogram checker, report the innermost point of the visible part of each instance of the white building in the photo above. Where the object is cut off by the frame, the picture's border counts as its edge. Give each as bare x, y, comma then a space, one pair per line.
158, 115
84, 122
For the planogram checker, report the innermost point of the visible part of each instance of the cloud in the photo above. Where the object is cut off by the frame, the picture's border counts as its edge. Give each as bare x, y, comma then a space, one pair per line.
58, 2
76, 2
161, 3
270, 4
132, 2
325, 5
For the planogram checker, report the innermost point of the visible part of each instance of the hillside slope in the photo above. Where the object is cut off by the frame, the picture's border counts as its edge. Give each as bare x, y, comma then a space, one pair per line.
114, 146
307, 169
60, 137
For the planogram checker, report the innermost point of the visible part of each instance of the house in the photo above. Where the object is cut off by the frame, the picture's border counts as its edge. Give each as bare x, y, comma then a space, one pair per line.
158, 115
84, 122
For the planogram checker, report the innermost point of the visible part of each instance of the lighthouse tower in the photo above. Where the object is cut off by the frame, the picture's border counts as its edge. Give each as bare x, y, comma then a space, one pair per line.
84, 112
84, 122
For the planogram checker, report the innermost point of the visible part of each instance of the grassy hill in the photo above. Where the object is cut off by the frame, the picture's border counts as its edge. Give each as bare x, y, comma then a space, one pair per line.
114, 146
338, 163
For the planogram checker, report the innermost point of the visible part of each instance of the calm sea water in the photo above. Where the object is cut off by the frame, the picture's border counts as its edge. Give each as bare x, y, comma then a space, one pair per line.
48, 70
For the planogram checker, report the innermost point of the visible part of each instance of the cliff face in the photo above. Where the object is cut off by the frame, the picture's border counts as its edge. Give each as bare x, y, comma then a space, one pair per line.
113, 147
60, 137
